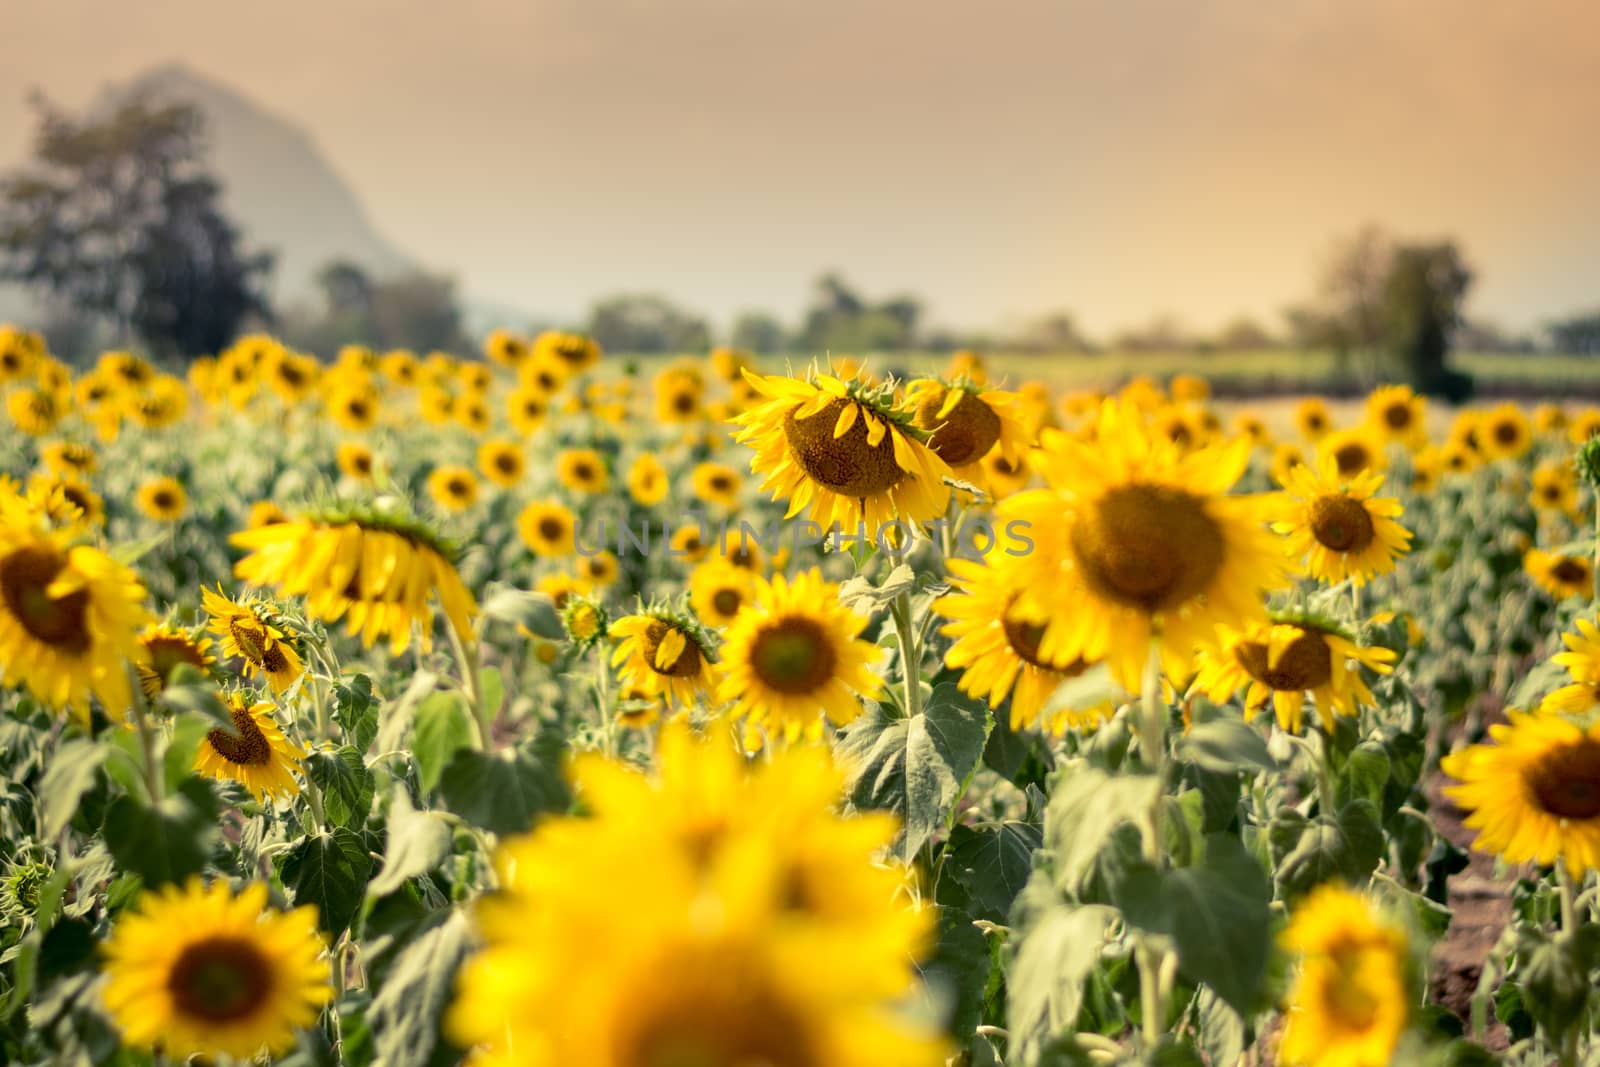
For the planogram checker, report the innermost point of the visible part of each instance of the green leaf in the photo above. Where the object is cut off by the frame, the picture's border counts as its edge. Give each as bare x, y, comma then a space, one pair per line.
329, 869
957, 973
443, 727
177, 762
1044, 985
356, 711
406, 1011
1347, 846
166, 843
1223, 901
346, 785
862, 596
1220, 1029
1365, 773
418, 842
69, 774
191, 689
502, 792
915, 767
395, 717
492, 691
535, 612
1086, 806
992, 864
1224, 745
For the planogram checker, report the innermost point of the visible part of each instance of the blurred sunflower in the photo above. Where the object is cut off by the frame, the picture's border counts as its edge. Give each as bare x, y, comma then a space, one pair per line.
1312, 419
502, 462
354, 408
1559, 574
506, 348
373, 570
688, 543
794, 657
647, 480
1353, 451
965, 423
1285, 459
255, 754
664, 654
547, 528
436, 405
1335, 524
718, 590
355, 460
1549, 419
677, 397
253, 632
453, 487
527, 409
843, 448
1584, 425
66, 502
999, 655
582, 470
201, 972
1458, 458
1533, 792
1004, 476
1348, 1004
1282, 661
69, 615
1555, 488
399, 366
1581, 658
265, 513
472, 412
35, 411
716, 483
728, 363
1249, 425
637, 709
474, 377
599, 568
69, 459
1395, 413
162, 499
1505, 433
1426, 466
572, 350
1137, 542
166, 648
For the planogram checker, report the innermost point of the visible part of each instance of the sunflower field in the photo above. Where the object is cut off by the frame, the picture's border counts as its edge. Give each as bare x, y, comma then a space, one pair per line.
540, 709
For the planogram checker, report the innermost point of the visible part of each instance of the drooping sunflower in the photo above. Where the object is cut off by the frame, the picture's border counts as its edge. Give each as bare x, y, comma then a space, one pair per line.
502, 462
582, 470
1282, 661
965, 423
372, 569
1505, 433
718, 590
716, 483
664, 654
162, 499
355, 460
548, 528
166, 648
1533, 792
787, 944
844, 449
70, 615
1134, 542
794, 658
1348, 1005
1395, 413
453, 487
259, 758
1336, 525
998, 656
647, 480
1353, 451
253, 632
1312, 419
198, 971
1559, 574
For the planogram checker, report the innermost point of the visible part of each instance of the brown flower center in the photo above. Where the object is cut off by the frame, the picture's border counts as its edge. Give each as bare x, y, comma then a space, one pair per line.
1306, 664
683, 403
1570, 571
1397, 416
60, 622
1341, 523
1147, 546
847, 465
963, 436
793, 655
250, 748
724, 1018
1352, 458
726, 601
1506, 433
220, 979
551, 528
1566, 781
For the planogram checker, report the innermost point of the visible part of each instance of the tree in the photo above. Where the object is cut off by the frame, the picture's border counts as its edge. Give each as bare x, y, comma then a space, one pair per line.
630, 322
841, 321
1578, 334
117, 218
1055, 332
1243, 335
1422, 296
418, 311
758, 331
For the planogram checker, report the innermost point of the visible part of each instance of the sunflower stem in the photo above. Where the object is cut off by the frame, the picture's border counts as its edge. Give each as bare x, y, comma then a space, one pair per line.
910, 652
147, 740
467, 659
1153, 747
1569, 897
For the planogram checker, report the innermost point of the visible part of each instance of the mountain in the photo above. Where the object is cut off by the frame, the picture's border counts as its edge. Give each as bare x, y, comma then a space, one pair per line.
277, 184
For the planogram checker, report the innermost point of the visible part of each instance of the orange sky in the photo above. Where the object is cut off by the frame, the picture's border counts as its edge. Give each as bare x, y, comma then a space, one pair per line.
1001, 158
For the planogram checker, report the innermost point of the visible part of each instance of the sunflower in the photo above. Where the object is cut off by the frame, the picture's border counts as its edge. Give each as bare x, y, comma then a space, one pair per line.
1426, 465
1136, 541
472, 412
718, 590
677, 396
1189, 389
1249, 425
786, 942
585, 620
1285, 458
728, 363
293, 376
688, 543
1555, 488
506, 348
572, 350
399, 366
716, 483
354, 408
1458, 458
1533, 791
582, 470
1353, 451
453, 487
1549, 419
69, 459
255, 754
69, 615
355, 460
547, 528
502, 462
1312, 419
254, 633
1002, 475
166, 648
1283, 661
1348, 1004
600, 568
647, 480
162, 499
66, 501
1336, 526
965, 423
436, 405
1178, 424
197, 971
35, 411
1559, 574
1582, 661
1505, 433
560, 588
527, 408
794, 657
1395, 413
373, 570
664, 654
843, 448
1584, 425
999, 655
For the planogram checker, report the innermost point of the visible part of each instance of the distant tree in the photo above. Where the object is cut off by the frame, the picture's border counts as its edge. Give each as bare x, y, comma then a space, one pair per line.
1481, 335
1579, 334
1055, 332
418, 311
1164, 333
630, 322
1243, 335
1422, 296
117, 218
345, 287
840, 320
758, 331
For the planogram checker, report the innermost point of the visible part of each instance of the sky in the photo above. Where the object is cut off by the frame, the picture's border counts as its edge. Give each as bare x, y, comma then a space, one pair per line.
1118, 160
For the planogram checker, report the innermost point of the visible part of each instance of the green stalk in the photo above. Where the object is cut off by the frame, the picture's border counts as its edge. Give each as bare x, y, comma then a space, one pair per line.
1153, 747
910, 652
467, 659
